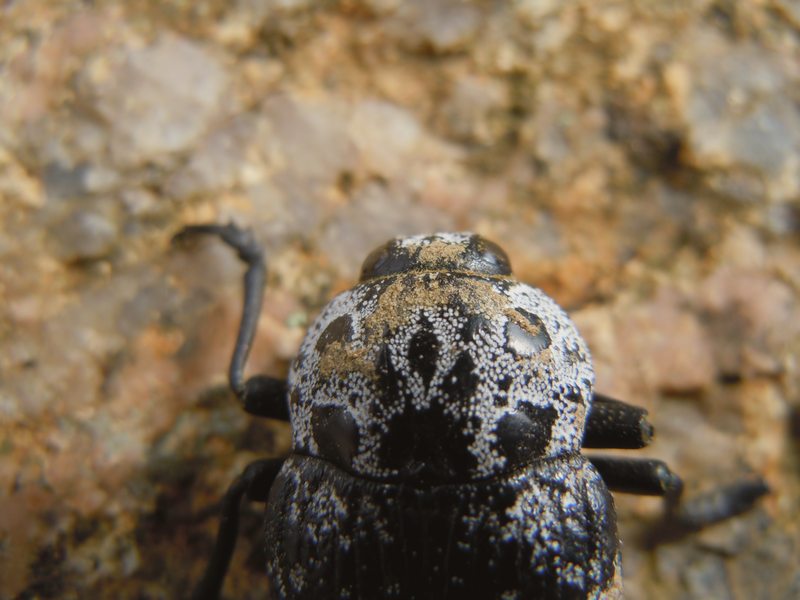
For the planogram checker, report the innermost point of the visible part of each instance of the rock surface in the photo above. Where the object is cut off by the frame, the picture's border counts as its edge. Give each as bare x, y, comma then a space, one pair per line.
638, 161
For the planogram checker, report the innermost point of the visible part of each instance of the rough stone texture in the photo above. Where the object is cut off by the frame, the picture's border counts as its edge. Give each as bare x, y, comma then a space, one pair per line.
637, 160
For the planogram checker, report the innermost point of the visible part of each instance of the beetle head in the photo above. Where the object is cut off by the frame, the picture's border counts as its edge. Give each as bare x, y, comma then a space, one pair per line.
452, 252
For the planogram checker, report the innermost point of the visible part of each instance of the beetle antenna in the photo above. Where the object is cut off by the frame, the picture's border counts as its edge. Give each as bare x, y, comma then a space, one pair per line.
260, 395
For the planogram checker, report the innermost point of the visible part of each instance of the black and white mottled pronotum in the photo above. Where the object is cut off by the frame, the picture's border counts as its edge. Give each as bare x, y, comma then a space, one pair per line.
439, 409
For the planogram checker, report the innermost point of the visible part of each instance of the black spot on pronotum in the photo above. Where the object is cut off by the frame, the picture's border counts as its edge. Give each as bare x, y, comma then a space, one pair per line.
525, 434
423, 352
429, 444
338, 330
476, 327
336, 434
461, 380
526, 343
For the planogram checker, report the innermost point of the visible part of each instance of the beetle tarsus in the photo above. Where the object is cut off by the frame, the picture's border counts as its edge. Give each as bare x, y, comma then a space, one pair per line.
690, 515
682, 516
718, 504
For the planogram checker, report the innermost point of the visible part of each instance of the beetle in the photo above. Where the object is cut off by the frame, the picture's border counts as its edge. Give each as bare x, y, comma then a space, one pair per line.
439, 409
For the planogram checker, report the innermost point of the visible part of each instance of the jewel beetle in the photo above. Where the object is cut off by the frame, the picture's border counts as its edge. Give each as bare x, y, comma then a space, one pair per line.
438, 412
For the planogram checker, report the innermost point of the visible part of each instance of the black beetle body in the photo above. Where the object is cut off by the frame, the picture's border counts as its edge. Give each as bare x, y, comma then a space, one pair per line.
439, 409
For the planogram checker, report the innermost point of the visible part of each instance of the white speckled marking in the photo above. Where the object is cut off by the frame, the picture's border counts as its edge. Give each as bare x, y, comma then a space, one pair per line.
385, 315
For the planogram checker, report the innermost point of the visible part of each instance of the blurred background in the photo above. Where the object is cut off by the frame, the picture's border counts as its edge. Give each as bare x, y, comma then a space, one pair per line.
639, 161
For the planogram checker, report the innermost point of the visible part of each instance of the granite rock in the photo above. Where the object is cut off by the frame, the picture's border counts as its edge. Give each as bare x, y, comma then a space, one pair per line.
638, 161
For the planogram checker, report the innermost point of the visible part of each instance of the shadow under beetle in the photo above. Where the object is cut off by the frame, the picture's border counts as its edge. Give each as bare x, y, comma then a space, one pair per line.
439, 409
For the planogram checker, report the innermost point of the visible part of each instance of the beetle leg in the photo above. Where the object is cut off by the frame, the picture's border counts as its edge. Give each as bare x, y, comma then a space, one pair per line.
254, 482
651, 477
615, 424
260, 395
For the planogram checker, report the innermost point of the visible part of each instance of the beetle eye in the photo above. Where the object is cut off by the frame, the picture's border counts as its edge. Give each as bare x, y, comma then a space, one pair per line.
385, 260
437, 252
